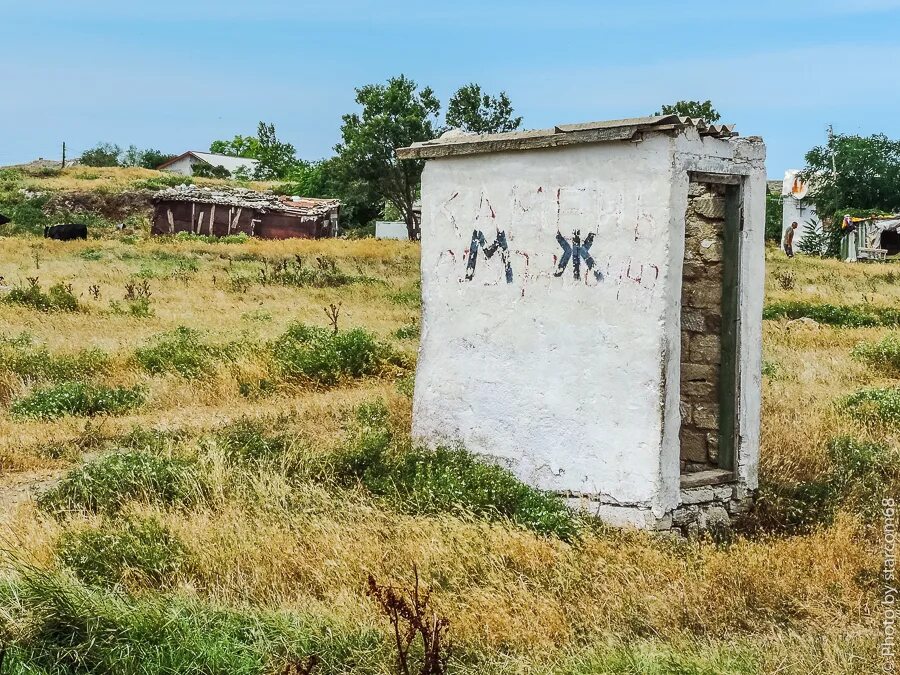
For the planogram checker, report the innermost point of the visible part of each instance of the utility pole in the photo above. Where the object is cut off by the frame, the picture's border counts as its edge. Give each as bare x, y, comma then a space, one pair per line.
64, 155
831, 148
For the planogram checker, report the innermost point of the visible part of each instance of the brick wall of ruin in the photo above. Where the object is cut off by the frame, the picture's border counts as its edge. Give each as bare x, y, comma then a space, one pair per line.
701, 323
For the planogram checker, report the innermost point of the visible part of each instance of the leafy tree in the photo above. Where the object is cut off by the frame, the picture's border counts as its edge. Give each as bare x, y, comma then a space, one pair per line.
815, 239
210, 171
854, 172
472, 110
702, 109
393, 116
239, 146
131, 156
102, 154
150, 158
774, 216
275, 157
331, 179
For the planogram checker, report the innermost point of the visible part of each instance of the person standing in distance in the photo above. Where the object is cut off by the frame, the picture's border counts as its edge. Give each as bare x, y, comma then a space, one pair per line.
789, 240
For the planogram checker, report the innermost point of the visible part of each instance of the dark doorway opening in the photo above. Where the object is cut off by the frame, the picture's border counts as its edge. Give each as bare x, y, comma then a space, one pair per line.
890, 241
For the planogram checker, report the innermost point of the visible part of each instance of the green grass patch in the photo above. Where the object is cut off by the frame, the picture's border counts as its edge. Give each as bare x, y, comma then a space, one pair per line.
417, 480
411, 297
858, 475
410, 331
26, 214
58, 298
107, 484
249, 442
181, 351
127, 552
849, 316
162, 181
67, 628
77, 398
239, 238
322, 356
878, 406
882, 354
32, 362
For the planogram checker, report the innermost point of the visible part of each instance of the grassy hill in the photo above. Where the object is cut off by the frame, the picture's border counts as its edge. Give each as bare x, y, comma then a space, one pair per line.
220, 472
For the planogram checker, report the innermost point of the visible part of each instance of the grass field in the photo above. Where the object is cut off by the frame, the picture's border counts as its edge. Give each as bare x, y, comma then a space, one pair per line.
219, 473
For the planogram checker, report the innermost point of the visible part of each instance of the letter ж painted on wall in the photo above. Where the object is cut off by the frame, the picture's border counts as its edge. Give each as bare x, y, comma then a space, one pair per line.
479, 242
576, 251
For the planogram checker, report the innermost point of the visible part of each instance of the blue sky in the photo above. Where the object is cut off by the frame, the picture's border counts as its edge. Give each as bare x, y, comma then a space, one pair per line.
177, 75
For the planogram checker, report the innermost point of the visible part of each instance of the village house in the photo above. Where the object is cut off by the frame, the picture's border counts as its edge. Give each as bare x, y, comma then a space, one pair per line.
225, 211
184, 164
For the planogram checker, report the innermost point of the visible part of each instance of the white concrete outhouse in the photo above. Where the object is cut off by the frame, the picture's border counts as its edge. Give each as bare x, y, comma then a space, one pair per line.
592, 300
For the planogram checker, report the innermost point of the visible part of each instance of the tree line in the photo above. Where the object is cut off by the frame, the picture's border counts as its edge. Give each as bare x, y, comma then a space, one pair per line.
848, 174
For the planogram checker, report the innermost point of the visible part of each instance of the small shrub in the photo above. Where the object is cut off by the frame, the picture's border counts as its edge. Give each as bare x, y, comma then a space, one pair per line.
131, 552
77, 398
444, 480
851, 316
413, 619
874, 406
180, 351
406, 385
883, 354
785, 279
771, 369
91, 254
107, 484
320, 355
408, 332
33, 363
859, 474
250, 442
58, 298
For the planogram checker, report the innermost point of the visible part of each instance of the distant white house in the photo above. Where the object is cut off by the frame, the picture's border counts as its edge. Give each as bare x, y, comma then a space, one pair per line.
390, 229
185, 163
796, 206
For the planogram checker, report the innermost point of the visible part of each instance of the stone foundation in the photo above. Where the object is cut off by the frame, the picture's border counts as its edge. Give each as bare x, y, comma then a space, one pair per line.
707, 509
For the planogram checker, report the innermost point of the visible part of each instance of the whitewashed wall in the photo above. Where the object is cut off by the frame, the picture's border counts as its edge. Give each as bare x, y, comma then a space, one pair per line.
183, 166
389, 229
801, 211
560, 378
563, 379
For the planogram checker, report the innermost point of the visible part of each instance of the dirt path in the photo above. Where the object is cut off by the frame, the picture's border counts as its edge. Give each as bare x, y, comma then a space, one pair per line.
21, 487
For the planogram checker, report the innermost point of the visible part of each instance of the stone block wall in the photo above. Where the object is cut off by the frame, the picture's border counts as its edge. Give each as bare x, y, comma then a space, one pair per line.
701, 325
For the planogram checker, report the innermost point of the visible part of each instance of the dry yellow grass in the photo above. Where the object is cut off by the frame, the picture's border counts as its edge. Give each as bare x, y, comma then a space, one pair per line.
798, 603
114, 179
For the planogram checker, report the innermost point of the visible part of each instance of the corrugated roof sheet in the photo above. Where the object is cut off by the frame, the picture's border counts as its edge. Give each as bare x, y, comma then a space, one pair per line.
244, 198
456, 142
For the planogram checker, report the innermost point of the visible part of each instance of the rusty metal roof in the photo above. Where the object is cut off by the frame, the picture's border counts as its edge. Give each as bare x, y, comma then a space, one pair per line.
244, 198
456, 142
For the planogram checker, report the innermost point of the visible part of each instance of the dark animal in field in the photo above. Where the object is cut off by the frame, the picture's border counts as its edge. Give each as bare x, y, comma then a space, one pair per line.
3, 219
66, 231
